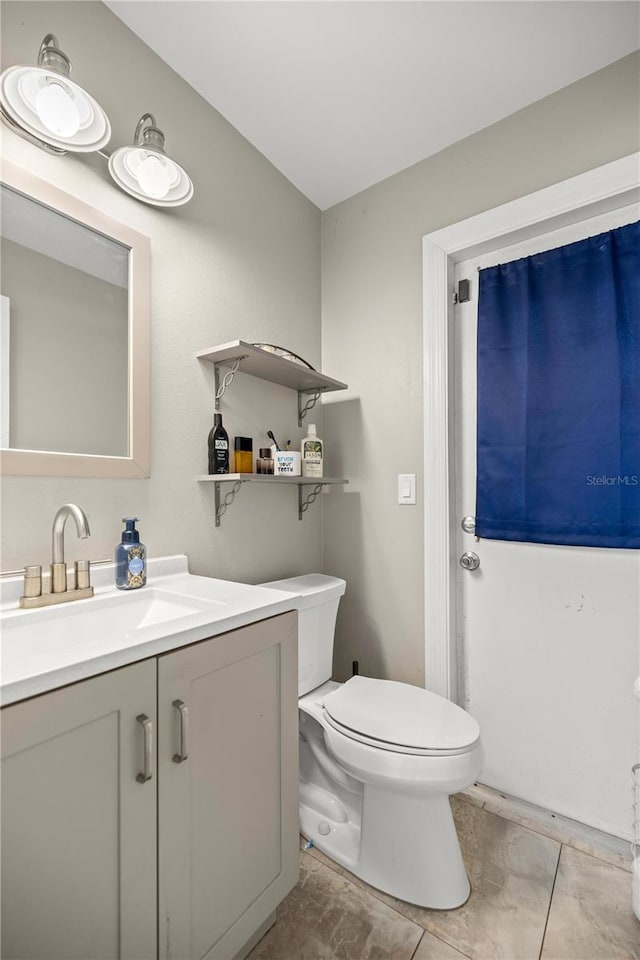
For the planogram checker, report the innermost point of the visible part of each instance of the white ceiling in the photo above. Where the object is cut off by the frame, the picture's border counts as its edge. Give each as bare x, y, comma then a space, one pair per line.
339, 95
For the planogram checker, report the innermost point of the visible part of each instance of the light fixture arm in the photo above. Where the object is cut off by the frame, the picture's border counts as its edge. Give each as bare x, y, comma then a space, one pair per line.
49, 41
149, 136
51, 57
137, 137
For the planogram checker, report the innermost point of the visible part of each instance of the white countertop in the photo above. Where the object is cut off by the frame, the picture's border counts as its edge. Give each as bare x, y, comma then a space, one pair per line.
61, 644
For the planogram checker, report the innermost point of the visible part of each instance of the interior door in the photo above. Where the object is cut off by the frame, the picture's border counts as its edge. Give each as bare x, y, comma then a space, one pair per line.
548, 636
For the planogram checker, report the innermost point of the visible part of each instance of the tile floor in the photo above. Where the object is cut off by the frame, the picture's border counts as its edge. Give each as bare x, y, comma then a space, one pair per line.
533, 896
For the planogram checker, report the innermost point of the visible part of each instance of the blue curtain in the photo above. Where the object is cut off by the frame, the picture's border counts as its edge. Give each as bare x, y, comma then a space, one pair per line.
558, 446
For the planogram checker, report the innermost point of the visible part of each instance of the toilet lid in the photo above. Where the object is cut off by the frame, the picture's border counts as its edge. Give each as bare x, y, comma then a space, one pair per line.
401, 714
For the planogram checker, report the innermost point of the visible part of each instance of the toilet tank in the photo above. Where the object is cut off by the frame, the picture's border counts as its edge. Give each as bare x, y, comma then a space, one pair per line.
317, 608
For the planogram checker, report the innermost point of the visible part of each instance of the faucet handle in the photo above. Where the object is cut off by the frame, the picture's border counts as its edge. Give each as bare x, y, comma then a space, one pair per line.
82, 569
32, 581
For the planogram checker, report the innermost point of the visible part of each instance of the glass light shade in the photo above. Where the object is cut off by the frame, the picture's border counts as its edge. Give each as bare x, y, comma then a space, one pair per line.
153, 177
54, 109
150, 176
57, 110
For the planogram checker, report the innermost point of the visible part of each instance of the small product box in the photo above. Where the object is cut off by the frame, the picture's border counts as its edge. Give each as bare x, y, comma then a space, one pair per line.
287, 463
243, 455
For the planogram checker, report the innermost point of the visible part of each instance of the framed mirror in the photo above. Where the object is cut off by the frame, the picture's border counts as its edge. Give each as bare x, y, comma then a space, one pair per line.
74, 336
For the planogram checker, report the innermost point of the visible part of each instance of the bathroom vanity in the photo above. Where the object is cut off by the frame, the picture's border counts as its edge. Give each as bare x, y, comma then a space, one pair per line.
149, 777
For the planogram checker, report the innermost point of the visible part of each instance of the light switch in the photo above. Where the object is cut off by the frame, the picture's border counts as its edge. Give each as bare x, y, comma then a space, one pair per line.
406, 488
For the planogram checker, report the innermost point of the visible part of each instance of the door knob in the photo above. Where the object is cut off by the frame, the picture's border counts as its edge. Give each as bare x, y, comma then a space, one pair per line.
470, 561
468, 524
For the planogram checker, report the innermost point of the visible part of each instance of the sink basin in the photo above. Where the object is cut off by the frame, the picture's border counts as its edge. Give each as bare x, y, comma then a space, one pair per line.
63, 627
157, 606
52, 636
51, 646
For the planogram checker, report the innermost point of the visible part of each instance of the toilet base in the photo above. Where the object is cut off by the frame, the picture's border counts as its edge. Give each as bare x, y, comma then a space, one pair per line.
406, 846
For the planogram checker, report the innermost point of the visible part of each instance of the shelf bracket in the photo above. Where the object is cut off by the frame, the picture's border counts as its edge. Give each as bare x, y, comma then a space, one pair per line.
227, 379
304, 504
309, 405
223, 503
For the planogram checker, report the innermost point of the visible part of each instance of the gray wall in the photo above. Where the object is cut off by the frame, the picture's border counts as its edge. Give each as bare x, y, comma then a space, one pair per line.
372, 338
242, 260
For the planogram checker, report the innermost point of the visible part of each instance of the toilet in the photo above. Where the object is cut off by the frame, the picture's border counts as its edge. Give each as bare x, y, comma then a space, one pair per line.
378, 762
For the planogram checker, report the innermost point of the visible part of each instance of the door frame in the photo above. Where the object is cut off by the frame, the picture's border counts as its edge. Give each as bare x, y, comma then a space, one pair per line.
599, 190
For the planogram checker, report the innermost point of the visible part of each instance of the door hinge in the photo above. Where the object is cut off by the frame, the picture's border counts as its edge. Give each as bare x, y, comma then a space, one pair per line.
463, 293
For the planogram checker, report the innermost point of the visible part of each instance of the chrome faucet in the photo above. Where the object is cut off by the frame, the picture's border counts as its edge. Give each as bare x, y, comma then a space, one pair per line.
33, 595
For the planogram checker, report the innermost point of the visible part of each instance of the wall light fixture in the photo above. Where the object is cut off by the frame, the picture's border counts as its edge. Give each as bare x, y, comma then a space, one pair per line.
47, 108
146, 172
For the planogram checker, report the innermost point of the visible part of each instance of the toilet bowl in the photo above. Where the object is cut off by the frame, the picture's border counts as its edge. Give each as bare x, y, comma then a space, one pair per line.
378, 762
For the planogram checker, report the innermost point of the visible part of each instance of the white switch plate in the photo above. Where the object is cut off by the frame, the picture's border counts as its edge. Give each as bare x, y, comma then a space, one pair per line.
406, 488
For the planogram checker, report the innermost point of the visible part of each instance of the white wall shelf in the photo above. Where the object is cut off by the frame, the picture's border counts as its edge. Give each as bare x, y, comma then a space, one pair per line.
238, 356
305, 499
242, 357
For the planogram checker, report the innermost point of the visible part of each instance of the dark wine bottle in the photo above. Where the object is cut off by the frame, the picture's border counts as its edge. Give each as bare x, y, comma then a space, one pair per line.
218, 447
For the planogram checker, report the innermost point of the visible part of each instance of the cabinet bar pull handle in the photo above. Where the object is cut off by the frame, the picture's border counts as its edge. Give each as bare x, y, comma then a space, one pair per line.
184, 731
147, 729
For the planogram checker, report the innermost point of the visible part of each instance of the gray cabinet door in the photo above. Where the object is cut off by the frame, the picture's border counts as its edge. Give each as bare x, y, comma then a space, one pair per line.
228, 813
78, 829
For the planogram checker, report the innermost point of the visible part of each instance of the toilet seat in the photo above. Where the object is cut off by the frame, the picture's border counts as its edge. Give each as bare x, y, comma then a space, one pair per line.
399, 718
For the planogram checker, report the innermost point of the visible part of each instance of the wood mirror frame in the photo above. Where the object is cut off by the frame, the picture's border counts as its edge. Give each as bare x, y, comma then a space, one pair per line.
136, 463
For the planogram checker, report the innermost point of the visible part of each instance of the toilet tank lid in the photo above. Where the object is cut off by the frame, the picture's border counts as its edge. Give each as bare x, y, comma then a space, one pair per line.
311, 590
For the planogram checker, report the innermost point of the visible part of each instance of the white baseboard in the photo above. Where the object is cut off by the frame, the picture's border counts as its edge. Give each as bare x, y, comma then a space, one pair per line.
604, 846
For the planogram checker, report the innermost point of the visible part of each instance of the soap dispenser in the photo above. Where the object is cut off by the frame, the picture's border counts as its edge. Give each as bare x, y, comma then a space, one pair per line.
131, 558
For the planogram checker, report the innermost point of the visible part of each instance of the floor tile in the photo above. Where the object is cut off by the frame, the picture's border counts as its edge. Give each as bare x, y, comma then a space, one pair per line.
570, 832
591, 916
511, 869
326, 917
430, 948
